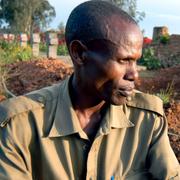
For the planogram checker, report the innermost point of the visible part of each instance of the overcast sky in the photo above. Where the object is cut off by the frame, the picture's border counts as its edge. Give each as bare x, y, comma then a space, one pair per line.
158, 13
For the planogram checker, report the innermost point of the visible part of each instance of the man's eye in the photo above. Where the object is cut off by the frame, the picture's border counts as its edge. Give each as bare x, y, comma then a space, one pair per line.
123, 61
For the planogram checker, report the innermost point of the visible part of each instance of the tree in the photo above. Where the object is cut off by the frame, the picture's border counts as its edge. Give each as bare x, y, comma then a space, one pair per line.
61, 27
130, 6
26, 15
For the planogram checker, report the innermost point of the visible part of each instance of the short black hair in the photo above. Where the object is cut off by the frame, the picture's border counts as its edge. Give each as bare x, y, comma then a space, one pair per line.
89, 21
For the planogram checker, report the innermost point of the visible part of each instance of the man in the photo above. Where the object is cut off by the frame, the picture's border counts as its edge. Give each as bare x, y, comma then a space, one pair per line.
94, 125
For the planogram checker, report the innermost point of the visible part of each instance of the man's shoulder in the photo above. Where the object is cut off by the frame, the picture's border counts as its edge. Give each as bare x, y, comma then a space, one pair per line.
147, 102
26, 103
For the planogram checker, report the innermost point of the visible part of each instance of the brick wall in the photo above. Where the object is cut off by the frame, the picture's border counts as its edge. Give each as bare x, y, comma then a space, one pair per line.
168, 54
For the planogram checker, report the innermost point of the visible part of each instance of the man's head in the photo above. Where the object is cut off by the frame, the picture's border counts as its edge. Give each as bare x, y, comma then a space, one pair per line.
104, 43
96, 20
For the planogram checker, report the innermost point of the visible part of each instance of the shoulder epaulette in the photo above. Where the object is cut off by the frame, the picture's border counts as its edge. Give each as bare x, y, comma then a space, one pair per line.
36, 99
147, 102
44, 94
13, 106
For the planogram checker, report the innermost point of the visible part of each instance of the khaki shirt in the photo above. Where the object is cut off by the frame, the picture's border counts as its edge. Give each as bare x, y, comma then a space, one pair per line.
41, 138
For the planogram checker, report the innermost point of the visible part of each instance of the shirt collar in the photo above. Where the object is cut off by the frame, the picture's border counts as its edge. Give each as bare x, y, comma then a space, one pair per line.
66, 121
115, 117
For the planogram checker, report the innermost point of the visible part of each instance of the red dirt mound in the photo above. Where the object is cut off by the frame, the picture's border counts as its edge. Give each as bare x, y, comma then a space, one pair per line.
28, 76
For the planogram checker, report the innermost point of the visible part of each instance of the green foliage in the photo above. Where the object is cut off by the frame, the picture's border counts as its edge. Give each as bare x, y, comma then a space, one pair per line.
2, 77
149, 60
166, 94
62, 50
43, 47
61, 27
164, 39
130, 6
12, 52
26, 15
24, 54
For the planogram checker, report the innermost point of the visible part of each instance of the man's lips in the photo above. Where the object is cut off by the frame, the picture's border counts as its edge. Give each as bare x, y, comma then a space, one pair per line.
124, 93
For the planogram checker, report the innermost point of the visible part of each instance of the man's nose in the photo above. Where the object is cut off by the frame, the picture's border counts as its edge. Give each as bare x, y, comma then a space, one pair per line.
131, 72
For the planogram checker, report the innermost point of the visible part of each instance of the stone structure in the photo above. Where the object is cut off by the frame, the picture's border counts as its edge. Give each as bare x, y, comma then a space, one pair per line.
11, 37
35, 40
159, 31
5, 37
51, 41
168, 53
52, 44
23, 40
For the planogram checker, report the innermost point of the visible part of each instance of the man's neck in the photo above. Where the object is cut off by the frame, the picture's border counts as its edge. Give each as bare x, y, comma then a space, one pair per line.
88, 109
83, 100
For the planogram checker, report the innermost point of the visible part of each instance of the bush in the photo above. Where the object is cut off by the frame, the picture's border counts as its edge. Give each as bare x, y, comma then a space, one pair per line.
164, 39
3, 78
13, 52
149, 60
43, 47
24, 54
62, 50
2, 74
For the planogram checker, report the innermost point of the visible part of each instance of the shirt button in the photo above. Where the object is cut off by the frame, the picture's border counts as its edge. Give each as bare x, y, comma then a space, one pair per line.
85, 147
129, 98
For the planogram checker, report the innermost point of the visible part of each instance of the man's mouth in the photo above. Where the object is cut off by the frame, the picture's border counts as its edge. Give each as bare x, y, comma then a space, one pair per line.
124, 92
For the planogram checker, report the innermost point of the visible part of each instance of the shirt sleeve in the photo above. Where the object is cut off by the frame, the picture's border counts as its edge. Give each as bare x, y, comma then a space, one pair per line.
14, 155
163, 163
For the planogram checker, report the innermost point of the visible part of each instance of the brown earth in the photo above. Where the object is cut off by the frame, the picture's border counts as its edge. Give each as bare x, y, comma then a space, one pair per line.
154, 82
32, 75
24, 77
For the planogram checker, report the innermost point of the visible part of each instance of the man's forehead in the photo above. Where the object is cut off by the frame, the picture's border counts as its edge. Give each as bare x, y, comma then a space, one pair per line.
115, 29
117, 36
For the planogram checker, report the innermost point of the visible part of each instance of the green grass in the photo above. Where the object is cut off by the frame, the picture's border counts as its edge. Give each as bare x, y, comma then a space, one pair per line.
13, 52
166, 94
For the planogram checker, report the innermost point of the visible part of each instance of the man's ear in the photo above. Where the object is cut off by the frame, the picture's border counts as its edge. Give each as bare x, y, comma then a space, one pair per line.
77, 48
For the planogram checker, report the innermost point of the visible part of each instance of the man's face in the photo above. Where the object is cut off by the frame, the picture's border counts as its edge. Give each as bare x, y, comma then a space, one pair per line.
110, 70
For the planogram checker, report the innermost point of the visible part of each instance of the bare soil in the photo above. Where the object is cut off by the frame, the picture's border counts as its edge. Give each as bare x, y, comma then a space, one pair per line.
32, 75
155, 81
24, 77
